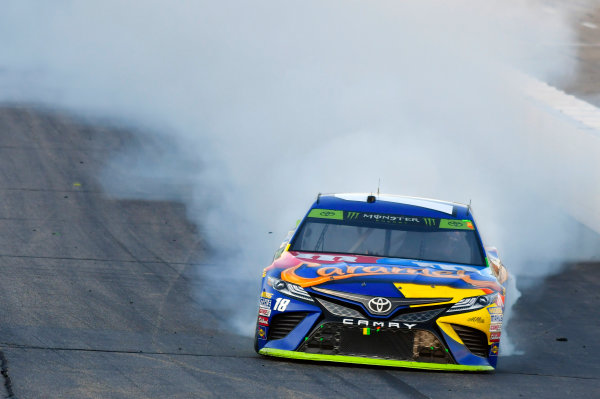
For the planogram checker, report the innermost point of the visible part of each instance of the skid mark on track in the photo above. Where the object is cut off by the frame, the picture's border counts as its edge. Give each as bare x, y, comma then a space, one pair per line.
548, 375
168, 281
401, 387
179, 271
7, 381
159, 317
117, 351
103, 260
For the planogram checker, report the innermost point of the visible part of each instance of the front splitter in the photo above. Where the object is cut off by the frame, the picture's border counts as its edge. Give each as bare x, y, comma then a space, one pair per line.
369, 361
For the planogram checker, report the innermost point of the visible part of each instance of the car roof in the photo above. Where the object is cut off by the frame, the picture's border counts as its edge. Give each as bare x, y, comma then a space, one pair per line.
393, 204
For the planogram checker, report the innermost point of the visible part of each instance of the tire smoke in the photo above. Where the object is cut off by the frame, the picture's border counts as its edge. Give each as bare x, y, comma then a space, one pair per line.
251, 108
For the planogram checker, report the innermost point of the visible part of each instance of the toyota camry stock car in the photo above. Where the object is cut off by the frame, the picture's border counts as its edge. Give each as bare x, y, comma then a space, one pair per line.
384, 280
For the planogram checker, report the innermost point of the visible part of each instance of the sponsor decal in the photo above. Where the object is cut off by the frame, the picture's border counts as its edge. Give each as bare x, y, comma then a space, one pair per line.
446, 267
456, 224
372, 217
326, 214
377, 324
263, 321
262, 332
383, 218
379, 305
265, 303
495, 337
327, 258
477, 319
340, 272
494, 349
430, 222
264, 312
497, 318
281, 304
369, 330
266, 294
495, 310
496, 327
322, 258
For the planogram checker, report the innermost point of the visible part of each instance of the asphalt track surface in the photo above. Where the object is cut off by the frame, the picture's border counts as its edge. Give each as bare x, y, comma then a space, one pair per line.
100, 298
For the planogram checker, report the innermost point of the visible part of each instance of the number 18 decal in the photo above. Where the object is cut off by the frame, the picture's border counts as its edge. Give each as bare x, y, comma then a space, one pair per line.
281, 304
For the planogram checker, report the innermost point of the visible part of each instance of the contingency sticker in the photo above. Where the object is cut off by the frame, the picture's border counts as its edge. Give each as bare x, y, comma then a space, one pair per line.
262, 332
495, 310
265, 303
456, 224
326, 214
264, 312
500, 300
494, 349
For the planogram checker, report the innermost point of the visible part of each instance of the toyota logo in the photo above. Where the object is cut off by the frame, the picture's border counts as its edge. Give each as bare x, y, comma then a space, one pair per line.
380, 305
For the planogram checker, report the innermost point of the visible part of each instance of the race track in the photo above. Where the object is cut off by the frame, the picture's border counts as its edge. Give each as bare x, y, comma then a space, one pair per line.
103, 297
98, 298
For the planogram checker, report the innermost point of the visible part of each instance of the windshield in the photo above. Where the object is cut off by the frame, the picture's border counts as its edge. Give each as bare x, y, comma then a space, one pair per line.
386, 235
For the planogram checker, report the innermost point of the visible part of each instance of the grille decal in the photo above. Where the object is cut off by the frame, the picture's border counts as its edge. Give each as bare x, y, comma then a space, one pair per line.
364, 299
339, 310
283, 323
475, 340
383, 343
418, 316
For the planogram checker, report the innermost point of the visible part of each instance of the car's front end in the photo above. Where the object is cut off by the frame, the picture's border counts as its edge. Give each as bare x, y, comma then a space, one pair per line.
359, 304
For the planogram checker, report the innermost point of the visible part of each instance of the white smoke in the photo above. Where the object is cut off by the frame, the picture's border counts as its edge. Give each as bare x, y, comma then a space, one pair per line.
248, 109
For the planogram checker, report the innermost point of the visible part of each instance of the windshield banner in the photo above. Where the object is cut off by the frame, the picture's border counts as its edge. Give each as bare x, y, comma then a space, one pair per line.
385, 218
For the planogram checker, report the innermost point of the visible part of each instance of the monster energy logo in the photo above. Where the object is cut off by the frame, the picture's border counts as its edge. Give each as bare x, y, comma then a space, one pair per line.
429, 221
352, 215
380, 218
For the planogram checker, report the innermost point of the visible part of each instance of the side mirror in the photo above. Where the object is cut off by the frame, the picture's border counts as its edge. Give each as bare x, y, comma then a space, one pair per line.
496, 264
492, 253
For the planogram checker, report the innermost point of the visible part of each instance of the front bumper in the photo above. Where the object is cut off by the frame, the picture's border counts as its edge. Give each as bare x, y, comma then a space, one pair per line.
424, 337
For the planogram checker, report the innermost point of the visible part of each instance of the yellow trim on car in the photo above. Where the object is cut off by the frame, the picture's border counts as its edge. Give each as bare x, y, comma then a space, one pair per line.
478, 319
435, 291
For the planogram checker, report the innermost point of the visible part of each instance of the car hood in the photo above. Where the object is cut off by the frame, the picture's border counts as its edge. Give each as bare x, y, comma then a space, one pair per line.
355, 273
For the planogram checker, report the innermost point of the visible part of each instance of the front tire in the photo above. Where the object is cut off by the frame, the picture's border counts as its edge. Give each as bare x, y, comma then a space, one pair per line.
256, 338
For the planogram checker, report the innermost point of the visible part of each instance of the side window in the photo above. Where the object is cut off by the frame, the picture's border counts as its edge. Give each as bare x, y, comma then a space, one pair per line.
285, 242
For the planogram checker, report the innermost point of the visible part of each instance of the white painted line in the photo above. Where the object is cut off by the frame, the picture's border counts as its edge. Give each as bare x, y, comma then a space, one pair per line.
556, 44
589, 25
583, 112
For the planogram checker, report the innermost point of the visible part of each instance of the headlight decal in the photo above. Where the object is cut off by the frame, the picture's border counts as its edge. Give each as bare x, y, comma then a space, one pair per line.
473, 303
289, 289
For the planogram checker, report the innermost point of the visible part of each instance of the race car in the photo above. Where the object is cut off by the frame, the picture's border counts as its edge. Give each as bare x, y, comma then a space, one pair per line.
384, 280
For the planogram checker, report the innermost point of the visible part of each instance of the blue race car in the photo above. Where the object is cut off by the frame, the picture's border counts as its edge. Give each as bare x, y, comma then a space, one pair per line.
384, 280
